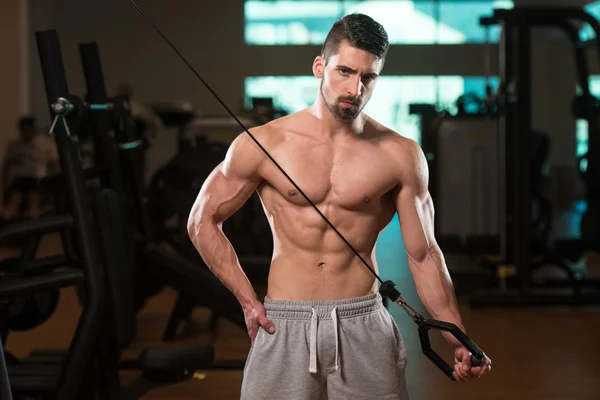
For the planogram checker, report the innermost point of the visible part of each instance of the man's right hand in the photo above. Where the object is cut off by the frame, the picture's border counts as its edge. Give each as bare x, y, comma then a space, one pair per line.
255, 318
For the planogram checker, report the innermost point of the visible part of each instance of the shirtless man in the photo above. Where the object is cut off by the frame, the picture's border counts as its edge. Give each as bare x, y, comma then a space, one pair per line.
323, 326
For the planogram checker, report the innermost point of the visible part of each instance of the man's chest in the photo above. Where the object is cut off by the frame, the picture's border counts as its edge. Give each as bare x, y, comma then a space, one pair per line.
351, 176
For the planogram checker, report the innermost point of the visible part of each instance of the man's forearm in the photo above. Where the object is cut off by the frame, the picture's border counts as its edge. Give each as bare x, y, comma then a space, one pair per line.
436, 290
219, 255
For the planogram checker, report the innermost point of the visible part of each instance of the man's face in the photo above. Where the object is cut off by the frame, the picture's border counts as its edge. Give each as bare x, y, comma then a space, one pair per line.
348, 80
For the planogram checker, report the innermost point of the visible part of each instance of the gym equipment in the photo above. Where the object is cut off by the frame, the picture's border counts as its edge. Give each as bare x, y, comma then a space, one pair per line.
587, 107
110, 329
517, 250
387, 288
177, 114
452, 144
263, 110
26, 312
68, 377
189, 277
466, 150
160, 366
122, 158
156, 265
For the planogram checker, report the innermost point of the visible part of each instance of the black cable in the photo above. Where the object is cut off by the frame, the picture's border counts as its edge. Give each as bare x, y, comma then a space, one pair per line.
252, 136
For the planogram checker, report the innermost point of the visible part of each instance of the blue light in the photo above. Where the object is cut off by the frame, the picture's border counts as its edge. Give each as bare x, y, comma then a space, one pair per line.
98, 107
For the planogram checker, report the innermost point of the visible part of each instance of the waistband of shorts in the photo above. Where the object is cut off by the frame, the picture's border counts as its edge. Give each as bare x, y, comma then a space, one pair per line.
303, 309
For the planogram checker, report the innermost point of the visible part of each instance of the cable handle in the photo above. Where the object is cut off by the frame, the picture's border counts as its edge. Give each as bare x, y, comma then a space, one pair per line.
388, 289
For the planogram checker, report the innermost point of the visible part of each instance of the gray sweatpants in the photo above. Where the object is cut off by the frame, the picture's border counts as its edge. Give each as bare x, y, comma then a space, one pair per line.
349, 349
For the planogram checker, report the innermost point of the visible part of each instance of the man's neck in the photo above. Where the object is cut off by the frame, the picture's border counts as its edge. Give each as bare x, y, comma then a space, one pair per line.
331, 125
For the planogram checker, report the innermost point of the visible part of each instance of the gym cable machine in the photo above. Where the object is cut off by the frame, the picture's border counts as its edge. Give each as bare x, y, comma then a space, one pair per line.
515, 124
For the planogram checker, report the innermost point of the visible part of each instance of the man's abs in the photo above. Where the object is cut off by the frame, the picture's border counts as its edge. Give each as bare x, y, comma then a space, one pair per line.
311, 276
310, 261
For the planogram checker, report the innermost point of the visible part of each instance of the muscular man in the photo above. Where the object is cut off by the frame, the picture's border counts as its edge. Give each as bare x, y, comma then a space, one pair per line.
323, 326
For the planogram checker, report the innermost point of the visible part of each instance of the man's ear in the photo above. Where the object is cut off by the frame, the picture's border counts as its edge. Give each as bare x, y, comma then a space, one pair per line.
319, 67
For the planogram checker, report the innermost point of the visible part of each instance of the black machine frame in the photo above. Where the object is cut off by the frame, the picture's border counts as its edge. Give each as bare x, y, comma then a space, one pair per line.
122, 154
515, 119
96, 361
76, 221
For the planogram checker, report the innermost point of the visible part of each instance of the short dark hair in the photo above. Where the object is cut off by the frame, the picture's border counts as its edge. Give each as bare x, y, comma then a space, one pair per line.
361, 32
27, 121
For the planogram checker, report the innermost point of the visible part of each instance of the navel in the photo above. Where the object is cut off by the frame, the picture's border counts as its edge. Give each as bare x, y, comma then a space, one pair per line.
321, 265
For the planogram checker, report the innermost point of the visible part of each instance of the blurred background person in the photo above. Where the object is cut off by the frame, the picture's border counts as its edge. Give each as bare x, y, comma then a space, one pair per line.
27, 160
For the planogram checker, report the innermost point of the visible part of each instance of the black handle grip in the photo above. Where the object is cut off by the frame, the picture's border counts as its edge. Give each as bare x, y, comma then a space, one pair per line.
477, 355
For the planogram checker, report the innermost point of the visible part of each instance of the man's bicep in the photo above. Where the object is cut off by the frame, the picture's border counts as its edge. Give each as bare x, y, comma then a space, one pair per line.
415, 206
415, 214
222, 195
229, 185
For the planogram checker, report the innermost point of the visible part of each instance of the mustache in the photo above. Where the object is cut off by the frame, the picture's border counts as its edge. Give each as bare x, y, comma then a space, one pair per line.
352, 100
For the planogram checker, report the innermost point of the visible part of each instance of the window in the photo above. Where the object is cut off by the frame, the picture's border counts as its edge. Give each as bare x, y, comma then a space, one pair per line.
389, 103
288, 22
587, 33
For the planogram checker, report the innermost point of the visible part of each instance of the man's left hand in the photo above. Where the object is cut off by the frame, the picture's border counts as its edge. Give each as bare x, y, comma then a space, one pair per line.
464, 371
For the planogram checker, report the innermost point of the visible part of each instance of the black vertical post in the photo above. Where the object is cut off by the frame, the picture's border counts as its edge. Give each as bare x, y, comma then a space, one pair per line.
517, 155
90, 323
507, 129
105, 148
124, 164
522, 155
96, 94
593, 159
132, 161
519, 130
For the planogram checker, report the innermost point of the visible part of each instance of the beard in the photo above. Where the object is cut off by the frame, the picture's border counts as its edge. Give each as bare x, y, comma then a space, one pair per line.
343, 113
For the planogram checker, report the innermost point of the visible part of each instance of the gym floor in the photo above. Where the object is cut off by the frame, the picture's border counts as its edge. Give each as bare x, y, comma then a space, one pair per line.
536, 353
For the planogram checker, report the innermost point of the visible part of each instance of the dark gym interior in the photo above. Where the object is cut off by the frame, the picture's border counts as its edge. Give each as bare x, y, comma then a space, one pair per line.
102, 293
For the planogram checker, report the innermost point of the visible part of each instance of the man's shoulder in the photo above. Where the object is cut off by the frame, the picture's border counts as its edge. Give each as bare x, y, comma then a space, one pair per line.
289, 123
266, 135
392, 140
251, 143
273, 132
405, 155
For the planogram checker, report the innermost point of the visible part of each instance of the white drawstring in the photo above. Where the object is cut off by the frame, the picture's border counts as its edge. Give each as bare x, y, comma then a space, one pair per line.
335, 328
312, 368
